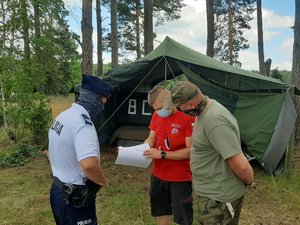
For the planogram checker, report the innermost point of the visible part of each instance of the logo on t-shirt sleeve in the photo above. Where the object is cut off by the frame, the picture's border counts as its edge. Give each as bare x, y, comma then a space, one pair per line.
87, 119
57, 126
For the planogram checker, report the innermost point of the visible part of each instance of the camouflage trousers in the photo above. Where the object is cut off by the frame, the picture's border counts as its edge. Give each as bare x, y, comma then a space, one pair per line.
211, 212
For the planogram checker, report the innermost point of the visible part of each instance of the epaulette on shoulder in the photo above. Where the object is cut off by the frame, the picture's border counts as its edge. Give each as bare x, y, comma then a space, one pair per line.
87, 119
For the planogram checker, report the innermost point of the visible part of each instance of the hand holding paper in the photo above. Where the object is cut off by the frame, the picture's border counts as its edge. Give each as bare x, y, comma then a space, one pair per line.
152, 153
133, 156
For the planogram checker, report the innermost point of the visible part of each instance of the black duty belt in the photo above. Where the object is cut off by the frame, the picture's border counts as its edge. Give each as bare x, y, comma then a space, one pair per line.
61, 185
79, 195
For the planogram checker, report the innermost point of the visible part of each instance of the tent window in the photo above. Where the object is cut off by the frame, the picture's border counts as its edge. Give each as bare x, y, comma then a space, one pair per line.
145, 102
132, 106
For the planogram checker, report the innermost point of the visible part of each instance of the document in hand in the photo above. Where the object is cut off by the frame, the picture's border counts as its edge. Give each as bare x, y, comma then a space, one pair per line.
133, 156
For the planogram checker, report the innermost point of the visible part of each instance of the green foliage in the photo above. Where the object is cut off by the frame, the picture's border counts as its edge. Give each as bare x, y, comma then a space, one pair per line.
241, 11
106, 68
163, 10
286, 76
1, 116
37, 56
18, 156
167, 10
4, 141
46, 64
283, 75
18, 107
276, 74
39, 120
58, 64
75, 74
24, 115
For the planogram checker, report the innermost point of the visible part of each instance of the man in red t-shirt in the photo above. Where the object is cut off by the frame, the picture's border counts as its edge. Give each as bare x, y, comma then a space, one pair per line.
170, 141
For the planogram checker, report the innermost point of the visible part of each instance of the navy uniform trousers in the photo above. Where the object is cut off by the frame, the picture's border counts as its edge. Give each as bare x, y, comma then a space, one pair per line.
66, 214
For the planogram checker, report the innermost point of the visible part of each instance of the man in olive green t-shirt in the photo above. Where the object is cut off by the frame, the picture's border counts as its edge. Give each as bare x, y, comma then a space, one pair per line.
219, 168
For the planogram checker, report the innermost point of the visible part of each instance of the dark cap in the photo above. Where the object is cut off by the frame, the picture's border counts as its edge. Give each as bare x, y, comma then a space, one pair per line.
183, 91
96, 85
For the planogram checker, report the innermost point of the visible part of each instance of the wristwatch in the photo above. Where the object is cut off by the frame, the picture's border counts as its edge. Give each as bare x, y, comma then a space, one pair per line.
163, 154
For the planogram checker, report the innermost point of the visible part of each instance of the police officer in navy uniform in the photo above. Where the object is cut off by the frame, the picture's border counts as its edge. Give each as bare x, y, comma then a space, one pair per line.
74, 155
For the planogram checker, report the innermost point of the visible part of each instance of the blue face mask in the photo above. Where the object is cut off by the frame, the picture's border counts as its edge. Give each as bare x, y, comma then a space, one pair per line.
164, 113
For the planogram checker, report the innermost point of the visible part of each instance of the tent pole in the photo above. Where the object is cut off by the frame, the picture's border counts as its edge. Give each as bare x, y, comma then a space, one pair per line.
166, 68
286, 158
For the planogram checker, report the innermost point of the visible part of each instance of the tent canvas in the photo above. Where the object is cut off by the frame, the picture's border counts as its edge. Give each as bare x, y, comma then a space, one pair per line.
261, 105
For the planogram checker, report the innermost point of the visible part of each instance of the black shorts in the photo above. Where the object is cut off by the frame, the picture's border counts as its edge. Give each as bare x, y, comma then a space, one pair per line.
172, 198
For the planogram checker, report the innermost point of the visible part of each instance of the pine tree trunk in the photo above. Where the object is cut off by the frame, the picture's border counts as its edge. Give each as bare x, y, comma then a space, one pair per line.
296, 68
268, 64
230, 37
261, 57
114, 34
210, 28
137, 28
87, 38
99, 39
148, 26
37, 23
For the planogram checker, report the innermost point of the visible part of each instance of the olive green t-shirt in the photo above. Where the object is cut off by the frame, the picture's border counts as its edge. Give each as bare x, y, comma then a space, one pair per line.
215, 138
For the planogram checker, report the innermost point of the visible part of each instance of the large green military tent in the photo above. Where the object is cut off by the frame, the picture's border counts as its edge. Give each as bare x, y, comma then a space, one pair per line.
262, 105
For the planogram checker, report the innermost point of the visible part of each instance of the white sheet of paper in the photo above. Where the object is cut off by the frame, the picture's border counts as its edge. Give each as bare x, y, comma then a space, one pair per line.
133, 156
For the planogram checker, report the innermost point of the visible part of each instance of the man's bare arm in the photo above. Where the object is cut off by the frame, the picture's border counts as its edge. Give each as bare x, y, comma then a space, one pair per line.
241, 168
151, 139
92, 169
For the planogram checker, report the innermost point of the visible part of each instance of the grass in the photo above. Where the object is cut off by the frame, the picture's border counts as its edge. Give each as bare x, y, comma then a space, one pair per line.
24, 192
24, 196
60, 103
125, 200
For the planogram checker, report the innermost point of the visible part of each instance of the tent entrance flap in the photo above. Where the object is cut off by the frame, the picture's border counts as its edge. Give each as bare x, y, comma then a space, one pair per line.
257, 116
281, 136
136, 133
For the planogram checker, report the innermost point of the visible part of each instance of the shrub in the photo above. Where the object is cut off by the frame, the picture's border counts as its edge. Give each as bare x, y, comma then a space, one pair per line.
1, 116
39, 121
276, 74
19, 156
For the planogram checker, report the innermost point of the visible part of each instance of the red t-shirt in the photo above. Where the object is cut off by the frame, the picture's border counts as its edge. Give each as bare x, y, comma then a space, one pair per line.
176, 124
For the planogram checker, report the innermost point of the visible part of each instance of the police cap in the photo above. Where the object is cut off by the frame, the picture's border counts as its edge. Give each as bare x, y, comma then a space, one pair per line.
96, 85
